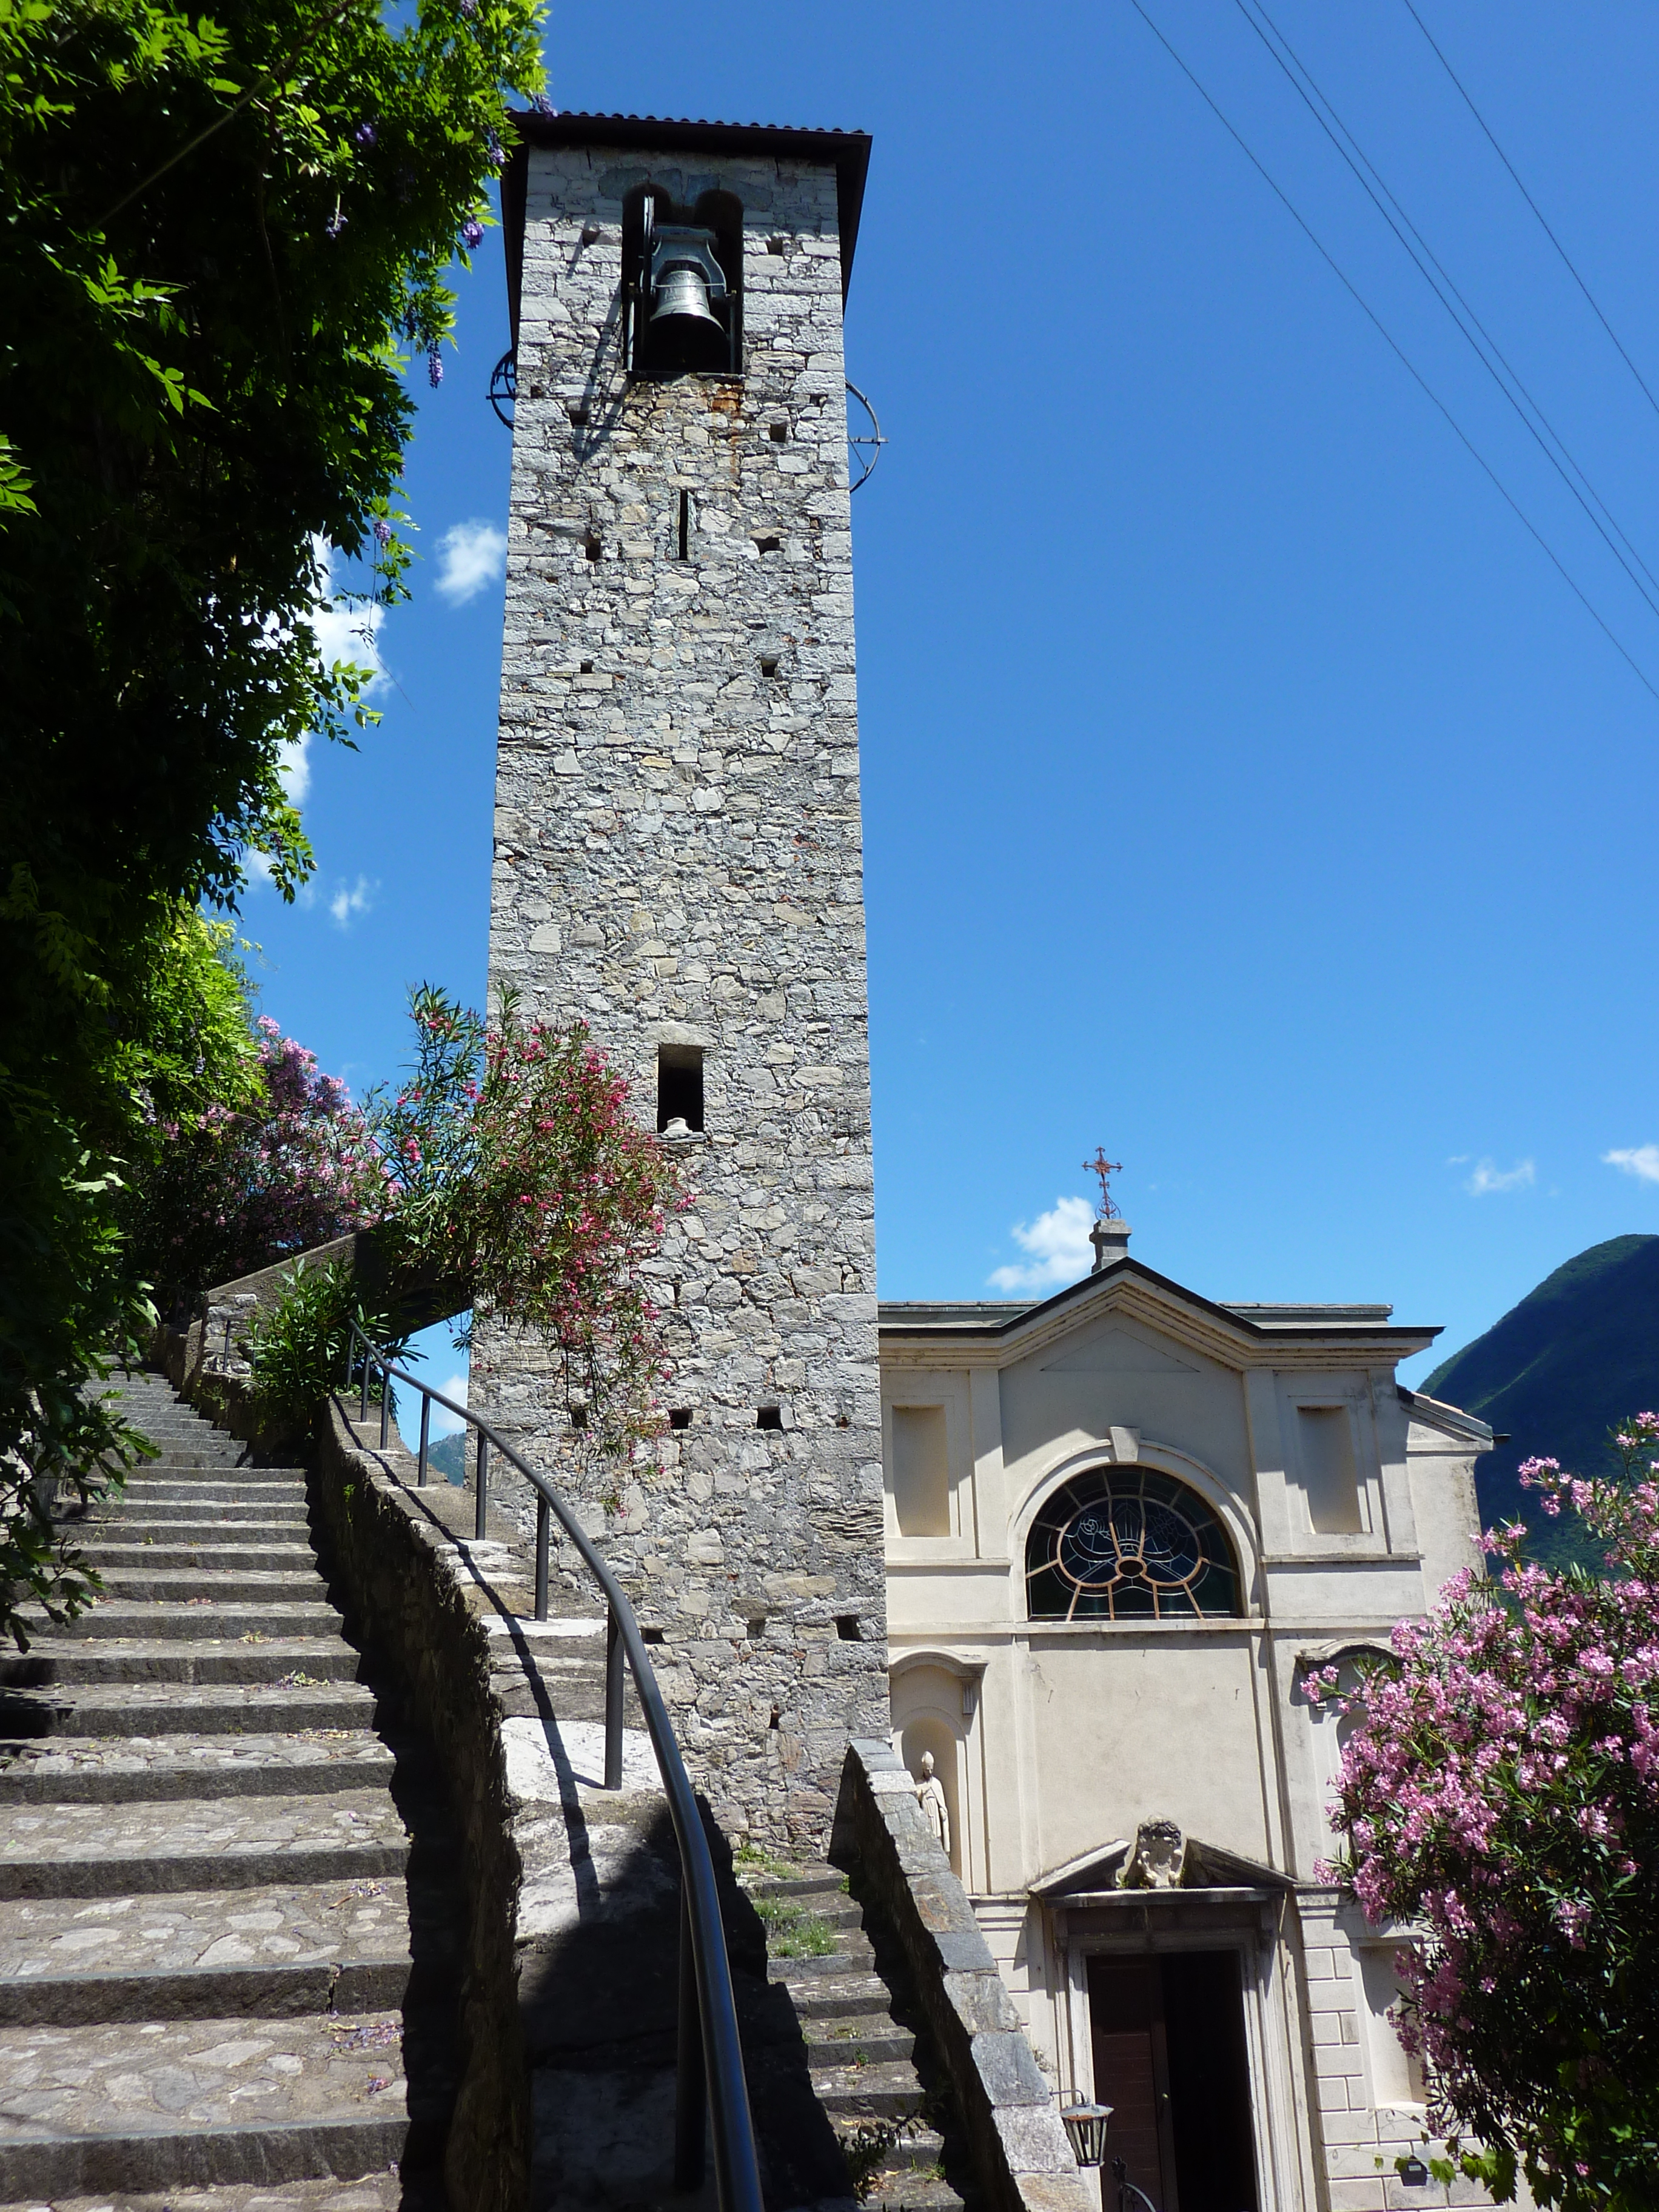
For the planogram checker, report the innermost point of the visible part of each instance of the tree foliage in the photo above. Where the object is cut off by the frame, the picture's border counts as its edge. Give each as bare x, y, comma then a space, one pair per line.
235, 1186
1499, 1792
220, 231
517, 1168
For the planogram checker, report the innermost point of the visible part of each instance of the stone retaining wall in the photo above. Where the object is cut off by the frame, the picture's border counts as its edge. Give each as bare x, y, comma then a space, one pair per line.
1021, 2158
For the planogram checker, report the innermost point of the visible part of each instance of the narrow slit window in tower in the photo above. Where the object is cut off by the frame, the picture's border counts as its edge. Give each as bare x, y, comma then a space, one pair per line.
679, 1086
685, 525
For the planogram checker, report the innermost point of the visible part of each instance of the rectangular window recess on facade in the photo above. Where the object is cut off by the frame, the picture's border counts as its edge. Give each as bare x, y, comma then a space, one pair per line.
651, 1635
847, 1628
768, 1417
679, 1416
921, 1476
1330, 1476
679, 1086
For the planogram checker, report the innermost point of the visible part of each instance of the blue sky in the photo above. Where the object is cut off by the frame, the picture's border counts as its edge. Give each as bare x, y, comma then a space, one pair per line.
1243, 787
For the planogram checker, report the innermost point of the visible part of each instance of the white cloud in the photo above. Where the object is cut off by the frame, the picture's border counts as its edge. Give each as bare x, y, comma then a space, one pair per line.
346, 630
1058, 1242
293, 766
1489, 1177
473, 555
354, 898
1641, 1161
443, 1424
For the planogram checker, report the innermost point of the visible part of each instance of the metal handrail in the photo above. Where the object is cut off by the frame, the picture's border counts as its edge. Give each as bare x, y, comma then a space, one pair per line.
709, 2066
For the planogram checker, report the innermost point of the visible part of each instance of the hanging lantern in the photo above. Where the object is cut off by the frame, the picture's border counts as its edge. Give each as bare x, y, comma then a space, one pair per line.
1085, 2130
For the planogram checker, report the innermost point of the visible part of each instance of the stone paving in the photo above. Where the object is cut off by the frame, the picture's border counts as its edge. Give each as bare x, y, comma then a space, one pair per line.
226, 1950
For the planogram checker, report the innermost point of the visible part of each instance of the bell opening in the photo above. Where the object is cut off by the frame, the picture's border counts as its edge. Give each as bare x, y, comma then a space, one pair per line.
683, 303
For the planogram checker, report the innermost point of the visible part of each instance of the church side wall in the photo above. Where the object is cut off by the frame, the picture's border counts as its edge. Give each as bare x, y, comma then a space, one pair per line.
678, 862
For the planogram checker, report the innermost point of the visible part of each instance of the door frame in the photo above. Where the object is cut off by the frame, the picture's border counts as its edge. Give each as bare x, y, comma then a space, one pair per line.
1139, 1923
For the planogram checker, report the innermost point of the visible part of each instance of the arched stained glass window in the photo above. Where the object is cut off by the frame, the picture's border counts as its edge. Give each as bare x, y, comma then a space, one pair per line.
1127, 1543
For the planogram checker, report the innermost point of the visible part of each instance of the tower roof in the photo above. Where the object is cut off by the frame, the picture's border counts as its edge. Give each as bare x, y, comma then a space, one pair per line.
846, 152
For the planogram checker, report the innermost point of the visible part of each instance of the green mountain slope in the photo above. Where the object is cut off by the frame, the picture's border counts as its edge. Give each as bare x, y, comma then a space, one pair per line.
1556, 1372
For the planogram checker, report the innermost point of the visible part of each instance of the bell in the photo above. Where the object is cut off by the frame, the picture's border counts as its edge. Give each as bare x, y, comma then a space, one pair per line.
685, 277
683, 296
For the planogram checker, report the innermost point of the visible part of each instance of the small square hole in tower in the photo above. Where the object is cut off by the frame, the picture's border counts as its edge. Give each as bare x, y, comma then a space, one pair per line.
768, 663
779, 433
679, 1416
679, 1086
768, 1417
595, 545
847, 1628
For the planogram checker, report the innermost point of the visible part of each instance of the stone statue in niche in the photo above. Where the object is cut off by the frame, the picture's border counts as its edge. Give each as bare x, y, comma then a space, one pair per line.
930, 1796
1160, 1857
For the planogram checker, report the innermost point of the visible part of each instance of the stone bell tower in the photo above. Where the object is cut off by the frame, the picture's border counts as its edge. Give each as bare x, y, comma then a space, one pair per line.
678, 864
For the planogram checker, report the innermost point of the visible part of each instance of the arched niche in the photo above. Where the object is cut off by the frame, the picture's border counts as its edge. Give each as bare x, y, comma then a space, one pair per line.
927, 1700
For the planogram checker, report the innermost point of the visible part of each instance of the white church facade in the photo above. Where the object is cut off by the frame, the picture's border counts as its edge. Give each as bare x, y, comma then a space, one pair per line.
1120, 1525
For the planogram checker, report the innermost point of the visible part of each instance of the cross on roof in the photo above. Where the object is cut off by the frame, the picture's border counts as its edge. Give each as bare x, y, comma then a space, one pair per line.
1105, 1169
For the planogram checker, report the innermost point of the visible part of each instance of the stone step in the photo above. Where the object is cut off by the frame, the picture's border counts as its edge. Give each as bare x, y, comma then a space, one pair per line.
894, 2190
884, 2089
113, 1769
830, 1997
854, 2039
252, 1658
208, 1955
195, 1618
137, 1708
208, 1451
207, 1496
383, 2191
214, 1512
853, 1954
829, 1908
914, 2147
802, 1887
114, 1556
222, 1585
213, 2100
80, 1850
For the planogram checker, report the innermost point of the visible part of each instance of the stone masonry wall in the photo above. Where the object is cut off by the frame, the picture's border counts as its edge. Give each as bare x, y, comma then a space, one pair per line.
678, 860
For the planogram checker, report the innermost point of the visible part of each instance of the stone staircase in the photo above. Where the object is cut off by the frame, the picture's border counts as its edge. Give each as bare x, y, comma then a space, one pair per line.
227, 1917
869, 2064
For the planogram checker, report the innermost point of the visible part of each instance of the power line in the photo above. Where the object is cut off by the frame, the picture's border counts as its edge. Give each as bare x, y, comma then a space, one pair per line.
1533, 204
1399, 352
1372, 181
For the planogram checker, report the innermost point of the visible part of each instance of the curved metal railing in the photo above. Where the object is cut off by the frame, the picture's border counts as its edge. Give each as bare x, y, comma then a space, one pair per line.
710, 2058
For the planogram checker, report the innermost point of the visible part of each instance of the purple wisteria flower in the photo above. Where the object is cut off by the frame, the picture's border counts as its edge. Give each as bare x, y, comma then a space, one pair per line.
365, 136
469, 8
542, 104
336, 223
471, 232
492, 150
435, 367
382, 532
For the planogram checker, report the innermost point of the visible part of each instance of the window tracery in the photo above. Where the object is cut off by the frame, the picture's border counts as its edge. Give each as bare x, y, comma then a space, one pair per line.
1128, 1543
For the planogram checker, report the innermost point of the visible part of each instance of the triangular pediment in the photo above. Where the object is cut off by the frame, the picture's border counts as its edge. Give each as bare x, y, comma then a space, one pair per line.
1115, 1350
1207, 1867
